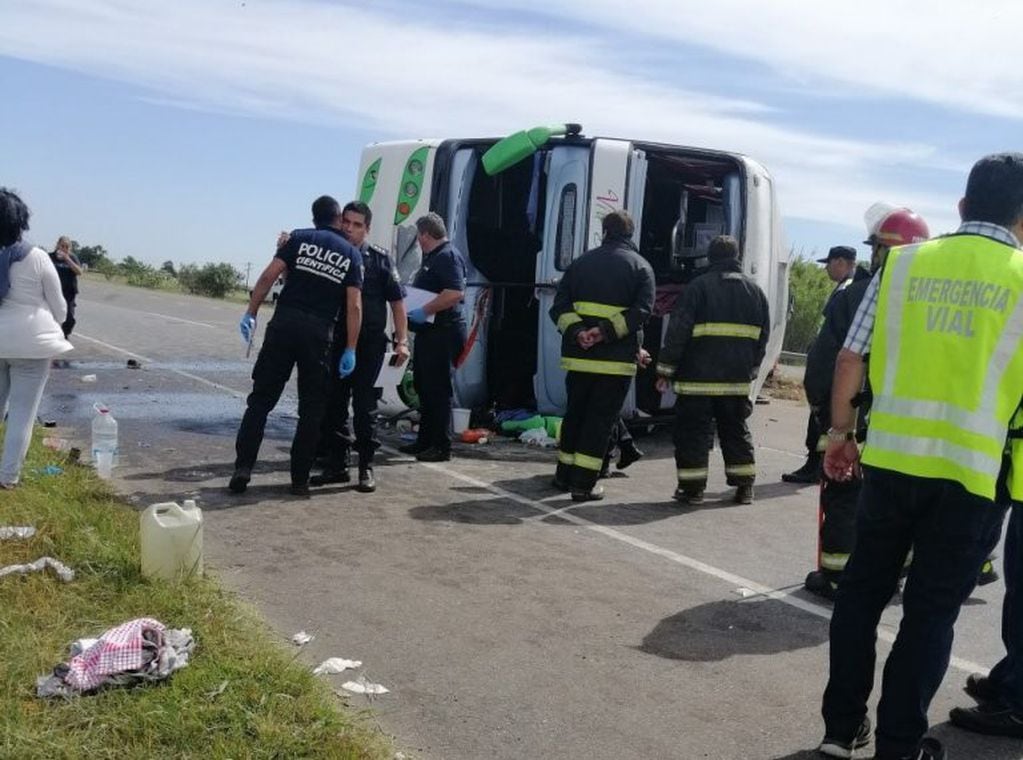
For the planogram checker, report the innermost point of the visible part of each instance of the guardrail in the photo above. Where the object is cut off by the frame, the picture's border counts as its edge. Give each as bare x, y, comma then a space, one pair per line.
792, 357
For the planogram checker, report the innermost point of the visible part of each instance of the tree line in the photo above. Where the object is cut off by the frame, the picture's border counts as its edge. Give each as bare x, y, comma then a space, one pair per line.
214, 280
809, 285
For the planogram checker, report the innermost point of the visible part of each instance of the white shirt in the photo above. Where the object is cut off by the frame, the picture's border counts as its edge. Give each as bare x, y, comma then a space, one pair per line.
32, 310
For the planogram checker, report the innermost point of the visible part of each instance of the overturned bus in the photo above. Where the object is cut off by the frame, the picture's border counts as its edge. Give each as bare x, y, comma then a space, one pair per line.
523, 207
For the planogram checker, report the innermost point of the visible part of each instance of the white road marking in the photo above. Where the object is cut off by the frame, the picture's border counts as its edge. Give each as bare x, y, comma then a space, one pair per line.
780, 595
178, 319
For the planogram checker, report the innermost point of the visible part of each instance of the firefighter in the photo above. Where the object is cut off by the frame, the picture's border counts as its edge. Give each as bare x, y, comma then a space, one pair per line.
716, 339
837, 511
603, 300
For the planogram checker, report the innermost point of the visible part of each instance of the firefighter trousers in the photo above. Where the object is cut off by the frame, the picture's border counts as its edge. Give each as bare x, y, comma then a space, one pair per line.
837, 522
594, 403
694, 436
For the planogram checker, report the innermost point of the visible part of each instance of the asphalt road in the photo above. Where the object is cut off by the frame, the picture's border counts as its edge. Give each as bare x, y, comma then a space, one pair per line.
506, 621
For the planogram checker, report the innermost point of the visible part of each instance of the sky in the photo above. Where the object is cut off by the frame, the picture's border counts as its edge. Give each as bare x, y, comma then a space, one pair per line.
195, 130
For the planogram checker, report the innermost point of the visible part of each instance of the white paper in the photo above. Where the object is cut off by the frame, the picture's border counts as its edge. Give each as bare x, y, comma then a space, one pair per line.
417, 297
301, 638
390, 377
336, 665
362, 686
9, 533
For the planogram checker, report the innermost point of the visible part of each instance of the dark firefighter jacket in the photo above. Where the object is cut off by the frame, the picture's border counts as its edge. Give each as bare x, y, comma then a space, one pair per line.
717, 335
611, 287
838, 317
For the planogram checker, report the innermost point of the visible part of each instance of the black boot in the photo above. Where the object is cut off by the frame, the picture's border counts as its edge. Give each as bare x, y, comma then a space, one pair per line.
367, 483
809, 473
628, 454
335, 471
239, 480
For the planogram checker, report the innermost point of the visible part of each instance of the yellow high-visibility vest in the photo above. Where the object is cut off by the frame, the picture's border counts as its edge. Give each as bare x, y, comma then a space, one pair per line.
946, 365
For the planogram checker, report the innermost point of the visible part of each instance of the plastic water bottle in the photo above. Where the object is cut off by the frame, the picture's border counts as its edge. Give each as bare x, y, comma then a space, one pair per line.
104, 441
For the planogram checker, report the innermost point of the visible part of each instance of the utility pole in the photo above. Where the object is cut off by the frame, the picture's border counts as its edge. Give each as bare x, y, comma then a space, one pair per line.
248, 269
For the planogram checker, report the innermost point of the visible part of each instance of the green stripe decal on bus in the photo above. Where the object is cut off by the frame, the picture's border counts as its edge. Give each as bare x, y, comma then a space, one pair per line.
369, 181
411, 184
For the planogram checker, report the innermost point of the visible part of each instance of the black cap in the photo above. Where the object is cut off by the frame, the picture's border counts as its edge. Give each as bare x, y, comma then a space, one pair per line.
839, 252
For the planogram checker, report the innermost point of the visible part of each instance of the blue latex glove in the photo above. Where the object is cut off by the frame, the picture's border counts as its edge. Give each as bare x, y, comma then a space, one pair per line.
417, 316
247, 327
347, 364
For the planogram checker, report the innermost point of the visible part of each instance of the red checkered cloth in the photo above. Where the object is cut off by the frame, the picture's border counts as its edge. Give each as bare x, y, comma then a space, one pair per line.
118, 650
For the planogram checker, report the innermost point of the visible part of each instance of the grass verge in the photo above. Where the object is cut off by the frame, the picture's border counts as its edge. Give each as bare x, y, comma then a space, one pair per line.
242, 696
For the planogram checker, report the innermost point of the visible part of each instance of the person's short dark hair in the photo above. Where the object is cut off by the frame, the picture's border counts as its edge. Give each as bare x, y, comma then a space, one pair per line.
722, 248
994, 190
617, 224
431, 224
326, 210
358, 207
14, 216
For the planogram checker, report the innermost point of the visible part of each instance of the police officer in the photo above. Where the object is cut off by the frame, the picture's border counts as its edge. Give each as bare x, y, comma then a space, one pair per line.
840, 265
380, 287
438, 342
69, 269
321, 290
716, 339
603, 300
940, 323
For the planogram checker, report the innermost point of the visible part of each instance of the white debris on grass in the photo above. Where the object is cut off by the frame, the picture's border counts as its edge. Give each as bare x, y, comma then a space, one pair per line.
8, 533
63, 572
336, 665
301, 638
362, 686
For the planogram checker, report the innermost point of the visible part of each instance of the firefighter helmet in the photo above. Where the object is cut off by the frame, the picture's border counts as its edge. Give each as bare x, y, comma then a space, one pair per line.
899, 227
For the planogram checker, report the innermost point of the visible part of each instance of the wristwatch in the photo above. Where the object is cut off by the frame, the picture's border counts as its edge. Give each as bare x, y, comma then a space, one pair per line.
837, 435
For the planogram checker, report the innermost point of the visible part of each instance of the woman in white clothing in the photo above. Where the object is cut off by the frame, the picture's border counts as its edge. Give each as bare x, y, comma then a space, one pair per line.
31, 312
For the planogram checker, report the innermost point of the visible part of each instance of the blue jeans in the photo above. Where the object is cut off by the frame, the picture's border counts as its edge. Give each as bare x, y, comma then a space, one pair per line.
1007, 675
951, 532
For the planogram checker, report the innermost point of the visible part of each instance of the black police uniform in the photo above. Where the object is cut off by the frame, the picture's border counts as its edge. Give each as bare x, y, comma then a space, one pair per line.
380, 286
611, 287
68, 287
321, 266
716, 339
438, 345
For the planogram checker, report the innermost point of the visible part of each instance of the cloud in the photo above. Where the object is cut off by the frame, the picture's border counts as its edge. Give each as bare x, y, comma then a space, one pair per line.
396, 75
964, 56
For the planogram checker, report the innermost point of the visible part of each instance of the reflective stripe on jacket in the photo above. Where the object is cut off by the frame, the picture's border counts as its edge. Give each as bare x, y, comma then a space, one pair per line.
610, 287
717, 334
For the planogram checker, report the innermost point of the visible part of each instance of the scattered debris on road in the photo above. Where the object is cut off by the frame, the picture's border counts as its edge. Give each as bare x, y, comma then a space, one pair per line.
88, 378
362, 686
301, 638
336, 665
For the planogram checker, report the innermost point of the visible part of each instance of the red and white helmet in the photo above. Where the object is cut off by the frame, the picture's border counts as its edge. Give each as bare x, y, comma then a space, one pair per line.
894, 226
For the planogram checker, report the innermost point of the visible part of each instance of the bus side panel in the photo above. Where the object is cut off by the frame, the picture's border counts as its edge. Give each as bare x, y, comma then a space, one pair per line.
764, 259
399, 239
